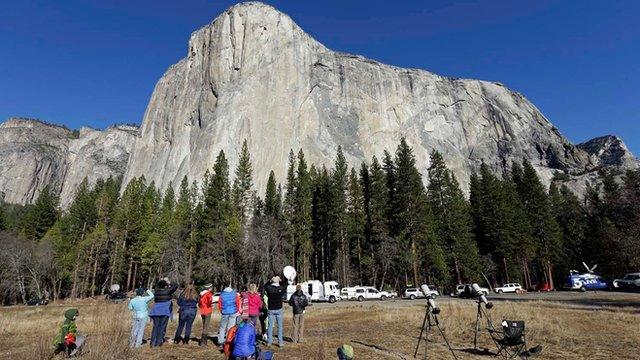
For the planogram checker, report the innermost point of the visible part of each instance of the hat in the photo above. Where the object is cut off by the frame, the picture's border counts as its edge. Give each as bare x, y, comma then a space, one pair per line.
208, 286
140, 291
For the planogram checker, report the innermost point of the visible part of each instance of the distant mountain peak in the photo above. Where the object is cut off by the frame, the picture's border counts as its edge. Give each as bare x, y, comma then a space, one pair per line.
609, 150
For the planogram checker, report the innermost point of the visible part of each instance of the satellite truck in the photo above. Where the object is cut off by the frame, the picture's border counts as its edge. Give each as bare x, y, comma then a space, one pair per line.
586, 281
316, 290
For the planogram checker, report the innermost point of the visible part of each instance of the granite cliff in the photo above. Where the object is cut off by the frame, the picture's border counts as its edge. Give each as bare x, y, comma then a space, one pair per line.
254, 74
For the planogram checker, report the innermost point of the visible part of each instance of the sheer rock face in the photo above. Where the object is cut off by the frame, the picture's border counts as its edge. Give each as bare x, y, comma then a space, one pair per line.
254, 74
34, 154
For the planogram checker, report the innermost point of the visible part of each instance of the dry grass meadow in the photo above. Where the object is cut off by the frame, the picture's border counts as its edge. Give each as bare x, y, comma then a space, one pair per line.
376, 330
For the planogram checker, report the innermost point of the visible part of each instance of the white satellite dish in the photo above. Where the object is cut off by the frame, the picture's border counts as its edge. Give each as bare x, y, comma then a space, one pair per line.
290, 273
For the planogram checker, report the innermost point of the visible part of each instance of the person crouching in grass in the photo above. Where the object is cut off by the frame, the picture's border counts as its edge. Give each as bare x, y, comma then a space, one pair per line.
68, 339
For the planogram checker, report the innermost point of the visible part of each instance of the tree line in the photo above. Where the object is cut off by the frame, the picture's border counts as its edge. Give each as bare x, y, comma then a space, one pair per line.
374, 225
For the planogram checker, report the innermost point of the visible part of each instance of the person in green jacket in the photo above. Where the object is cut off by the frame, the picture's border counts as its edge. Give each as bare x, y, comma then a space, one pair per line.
68, 339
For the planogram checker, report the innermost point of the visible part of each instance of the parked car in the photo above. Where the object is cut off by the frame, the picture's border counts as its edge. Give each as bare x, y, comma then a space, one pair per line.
543, 286
628, 282
370, 293
413, 293
348, 293
460, 290
508, 288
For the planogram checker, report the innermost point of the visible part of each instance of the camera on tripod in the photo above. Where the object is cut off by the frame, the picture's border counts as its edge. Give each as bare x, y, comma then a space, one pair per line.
433, 307
480, 296
430, 320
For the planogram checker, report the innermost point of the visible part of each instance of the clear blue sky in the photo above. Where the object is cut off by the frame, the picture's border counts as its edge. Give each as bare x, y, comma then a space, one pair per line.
81, 62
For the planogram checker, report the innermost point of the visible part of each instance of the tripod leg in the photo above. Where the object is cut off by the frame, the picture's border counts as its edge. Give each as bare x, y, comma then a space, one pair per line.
475, 335
445, 338
424, 323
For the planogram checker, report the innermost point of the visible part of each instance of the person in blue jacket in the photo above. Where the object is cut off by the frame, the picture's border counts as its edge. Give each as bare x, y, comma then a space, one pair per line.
139, 306
188, 307
161, 310
229, 306
244, 344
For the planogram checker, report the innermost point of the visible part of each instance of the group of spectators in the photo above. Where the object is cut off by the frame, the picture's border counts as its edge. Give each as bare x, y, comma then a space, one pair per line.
240, 313
237, 332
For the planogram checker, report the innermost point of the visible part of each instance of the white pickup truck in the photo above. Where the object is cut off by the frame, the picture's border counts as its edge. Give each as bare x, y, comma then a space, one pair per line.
363, 293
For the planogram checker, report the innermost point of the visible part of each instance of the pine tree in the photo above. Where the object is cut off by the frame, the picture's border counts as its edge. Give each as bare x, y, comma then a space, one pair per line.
410, 207
500, 225
79, 221
242, 185
355, 221
572, 221
288, 208
390, 180
302, 218
149, 245
452, 220
185, 220
128, 220
41, 215
321, 225
271, 198
339, 180
545, 230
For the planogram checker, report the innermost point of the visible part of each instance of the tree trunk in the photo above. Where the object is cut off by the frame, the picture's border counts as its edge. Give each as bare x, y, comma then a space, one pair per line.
135, 276
457, 270
414, 261
506, 269
190, 266
550, 275
93, 276
129, 275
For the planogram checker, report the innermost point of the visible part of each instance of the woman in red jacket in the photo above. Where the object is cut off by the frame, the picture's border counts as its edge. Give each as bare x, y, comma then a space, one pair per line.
205, 304
251, 304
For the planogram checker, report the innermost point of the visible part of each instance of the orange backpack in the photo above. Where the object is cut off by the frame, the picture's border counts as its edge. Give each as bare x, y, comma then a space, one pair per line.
228, 344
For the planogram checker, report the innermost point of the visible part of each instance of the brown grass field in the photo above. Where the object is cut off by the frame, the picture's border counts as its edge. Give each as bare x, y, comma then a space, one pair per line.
376, 330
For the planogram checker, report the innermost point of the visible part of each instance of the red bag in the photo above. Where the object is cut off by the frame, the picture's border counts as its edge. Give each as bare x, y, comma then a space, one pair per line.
69, 340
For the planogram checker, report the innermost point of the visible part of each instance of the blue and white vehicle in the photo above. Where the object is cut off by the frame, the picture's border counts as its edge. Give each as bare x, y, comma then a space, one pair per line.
586, 281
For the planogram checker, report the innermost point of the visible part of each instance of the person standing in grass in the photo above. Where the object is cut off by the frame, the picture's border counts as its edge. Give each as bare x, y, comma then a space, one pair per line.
298, 302
161, 310
188, 304
251, 304
206, 309
264, 316
275, 292
139, 306
229, 306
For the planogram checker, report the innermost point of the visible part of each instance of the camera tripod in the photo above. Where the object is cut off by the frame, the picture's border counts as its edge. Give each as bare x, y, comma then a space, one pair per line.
430, 320
481, 312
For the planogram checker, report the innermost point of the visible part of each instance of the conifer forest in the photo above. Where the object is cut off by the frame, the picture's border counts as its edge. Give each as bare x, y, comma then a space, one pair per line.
377, 225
